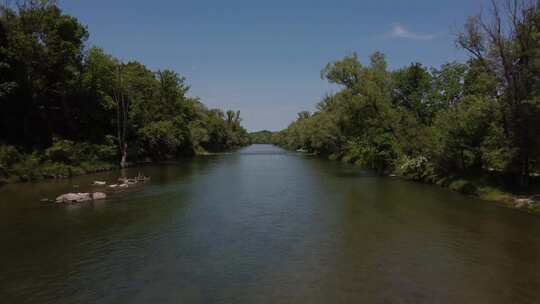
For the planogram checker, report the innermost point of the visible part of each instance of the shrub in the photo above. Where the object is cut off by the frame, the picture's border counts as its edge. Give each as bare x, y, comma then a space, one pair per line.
9, 155
463, 186
64, 151
161, 139
108, 150
27, 169
417, 168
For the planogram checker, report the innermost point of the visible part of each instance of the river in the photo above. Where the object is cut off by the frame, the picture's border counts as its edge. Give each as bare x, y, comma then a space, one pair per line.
262, 225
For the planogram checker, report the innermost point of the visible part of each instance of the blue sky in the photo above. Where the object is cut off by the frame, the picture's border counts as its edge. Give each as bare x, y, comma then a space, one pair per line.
264, 57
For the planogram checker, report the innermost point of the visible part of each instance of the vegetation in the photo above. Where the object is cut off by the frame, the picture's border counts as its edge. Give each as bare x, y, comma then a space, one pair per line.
452, 125
261, 137
68, 109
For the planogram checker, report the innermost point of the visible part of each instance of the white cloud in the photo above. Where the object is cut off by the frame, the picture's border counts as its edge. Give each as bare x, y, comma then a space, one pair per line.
399, 31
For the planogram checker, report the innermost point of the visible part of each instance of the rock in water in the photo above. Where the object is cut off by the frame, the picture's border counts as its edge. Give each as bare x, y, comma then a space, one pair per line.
99, 196
74, 198
99, 183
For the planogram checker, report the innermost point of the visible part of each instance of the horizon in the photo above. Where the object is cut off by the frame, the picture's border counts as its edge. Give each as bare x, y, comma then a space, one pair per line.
219, 48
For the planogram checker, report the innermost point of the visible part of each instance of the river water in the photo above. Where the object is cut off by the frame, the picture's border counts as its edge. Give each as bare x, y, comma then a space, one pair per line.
263, 225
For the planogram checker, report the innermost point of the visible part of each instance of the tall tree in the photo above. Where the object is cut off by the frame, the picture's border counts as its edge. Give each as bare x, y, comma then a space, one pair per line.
122, 115
507, 42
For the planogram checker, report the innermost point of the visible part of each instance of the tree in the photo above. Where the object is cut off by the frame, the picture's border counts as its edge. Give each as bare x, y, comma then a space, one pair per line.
507, 42
122, 115
411, 90
41, 57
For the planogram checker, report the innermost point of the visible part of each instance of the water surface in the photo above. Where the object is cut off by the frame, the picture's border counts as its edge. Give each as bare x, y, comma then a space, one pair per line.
264, 226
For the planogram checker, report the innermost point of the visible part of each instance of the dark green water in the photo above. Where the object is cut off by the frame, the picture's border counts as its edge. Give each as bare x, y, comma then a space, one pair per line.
265, 226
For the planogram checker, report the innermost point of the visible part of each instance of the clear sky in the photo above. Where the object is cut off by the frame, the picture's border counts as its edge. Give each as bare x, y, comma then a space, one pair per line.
264, 57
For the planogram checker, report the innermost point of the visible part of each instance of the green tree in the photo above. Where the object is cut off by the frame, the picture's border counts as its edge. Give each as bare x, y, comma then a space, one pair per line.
507, 42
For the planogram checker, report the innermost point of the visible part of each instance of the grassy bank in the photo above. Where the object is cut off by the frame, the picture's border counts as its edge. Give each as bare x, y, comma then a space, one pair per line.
495, 192
488, 186
63, 159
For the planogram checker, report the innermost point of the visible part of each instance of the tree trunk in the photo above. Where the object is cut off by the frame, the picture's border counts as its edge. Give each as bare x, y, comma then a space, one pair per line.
123, 162
524, 180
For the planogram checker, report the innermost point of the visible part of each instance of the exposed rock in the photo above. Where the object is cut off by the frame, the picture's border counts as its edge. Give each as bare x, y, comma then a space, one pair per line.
521, 204
535, 199
99, 183
524, 202
80, 197
99, 195
124, 182
74, 198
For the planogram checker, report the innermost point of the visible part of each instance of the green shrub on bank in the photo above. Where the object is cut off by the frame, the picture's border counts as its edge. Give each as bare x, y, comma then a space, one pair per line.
417, 169
69, 152
9, 155
63, 159
463, 186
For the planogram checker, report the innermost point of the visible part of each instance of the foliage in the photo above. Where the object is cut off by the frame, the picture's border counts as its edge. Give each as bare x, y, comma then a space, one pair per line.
463, 186
477, 118
58, 99
417, 169
261, 137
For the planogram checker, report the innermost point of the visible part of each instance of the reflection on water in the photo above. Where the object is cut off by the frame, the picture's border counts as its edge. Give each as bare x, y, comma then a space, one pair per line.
264, 226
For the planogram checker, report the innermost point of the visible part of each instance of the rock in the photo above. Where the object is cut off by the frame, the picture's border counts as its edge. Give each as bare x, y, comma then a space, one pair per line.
99, 183
113, 186
521, 205
535, 199
99, 195
523, 202
74, 198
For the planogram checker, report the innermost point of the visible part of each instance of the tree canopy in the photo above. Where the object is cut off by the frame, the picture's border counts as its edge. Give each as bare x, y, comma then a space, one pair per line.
479, 116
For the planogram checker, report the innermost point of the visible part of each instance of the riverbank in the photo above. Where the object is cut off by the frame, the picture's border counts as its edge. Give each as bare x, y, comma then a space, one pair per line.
16, 167
487, 188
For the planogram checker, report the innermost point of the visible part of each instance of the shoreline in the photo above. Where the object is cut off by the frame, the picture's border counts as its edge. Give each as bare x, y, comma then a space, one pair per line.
470, 188
79, 170
466, 187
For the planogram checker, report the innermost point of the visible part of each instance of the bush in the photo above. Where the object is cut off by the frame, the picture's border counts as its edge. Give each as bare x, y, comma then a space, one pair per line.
27, 169
161, 139
63, 159
9, 155
108, 150
463, 186
64, 151
417, 169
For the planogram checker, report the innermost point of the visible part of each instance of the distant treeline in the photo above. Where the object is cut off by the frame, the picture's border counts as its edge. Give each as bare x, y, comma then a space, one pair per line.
261, 137
474, 118
69, 109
